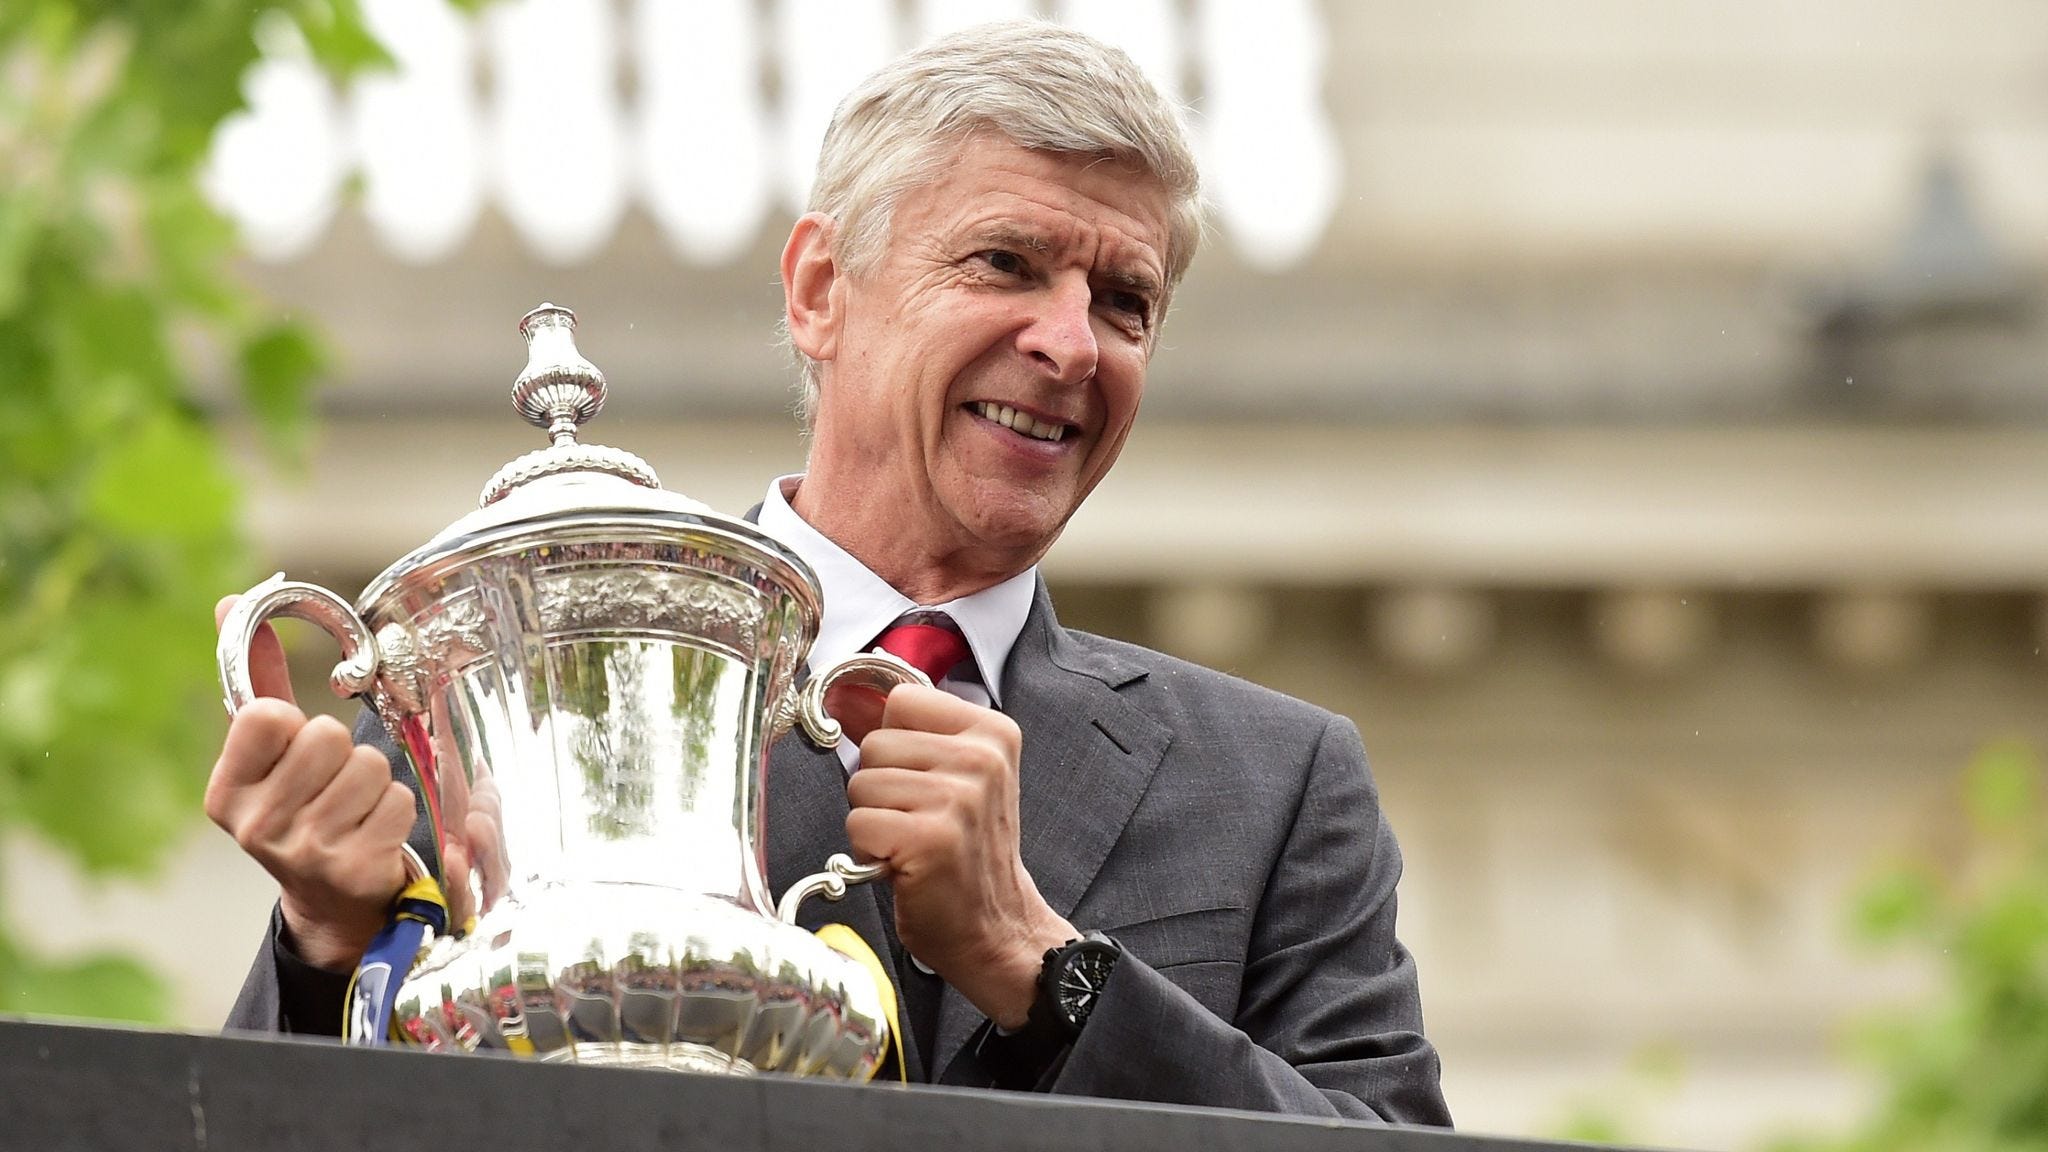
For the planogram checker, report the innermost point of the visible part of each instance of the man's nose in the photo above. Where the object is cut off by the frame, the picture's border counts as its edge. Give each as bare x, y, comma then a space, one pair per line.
1061, 337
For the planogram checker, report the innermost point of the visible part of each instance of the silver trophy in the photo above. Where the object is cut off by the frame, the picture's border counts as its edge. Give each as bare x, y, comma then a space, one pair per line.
587, 672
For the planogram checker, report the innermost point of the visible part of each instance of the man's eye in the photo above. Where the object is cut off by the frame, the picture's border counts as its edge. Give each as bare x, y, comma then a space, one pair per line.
1008, 263
1133, 305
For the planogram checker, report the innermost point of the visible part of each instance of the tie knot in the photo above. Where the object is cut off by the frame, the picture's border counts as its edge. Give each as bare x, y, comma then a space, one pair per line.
933, 649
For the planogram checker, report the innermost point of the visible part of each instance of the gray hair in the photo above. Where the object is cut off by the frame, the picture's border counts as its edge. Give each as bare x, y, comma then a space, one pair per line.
1038, 84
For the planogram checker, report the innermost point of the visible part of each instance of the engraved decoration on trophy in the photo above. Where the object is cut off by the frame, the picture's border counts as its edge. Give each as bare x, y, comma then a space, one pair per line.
586, 673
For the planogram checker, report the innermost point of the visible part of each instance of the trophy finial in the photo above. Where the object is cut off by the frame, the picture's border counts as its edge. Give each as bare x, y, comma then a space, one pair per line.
559, 391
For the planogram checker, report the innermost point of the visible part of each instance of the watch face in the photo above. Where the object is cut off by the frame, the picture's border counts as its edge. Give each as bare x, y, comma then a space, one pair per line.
1082, 979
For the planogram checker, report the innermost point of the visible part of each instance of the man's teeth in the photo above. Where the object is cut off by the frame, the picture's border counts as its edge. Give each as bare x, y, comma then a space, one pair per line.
1017, 421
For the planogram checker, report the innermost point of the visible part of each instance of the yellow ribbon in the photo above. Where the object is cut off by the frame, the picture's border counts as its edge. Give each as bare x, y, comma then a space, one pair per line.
847, 942
422, 888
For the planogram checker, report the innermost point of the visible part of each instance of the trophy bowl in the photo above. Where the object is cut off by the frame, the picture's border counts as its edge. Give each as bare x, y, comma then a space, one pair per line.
586, 673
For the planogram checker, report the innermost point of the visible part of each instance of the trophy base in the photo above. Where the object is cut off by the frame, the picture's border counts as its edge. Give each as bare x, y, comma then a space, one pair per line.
643, 976
676, 1056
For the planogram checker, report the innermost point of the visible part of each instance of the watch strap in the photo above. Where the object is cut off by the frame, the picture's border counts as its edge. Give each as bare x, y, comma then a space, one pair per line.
1019, 1060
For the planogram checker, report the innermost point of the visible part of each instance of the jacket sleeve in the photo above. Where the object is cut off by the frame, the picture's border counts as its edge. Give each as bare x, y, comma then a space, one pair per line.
283, 993
1329, 1017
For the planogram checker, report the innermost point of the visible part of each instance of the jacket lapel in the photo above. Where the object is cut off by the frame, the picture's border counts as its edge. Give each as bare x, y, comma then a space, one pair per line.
1088, 757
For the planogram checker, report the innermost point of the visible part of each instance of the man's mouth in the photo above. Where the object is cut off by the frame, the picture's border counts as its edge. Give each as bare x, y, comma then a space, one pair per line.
1022, 423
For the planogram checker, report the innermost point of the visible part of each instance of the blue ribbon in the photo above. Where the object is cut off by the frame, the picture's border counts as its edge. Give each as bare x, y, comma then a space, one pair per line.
417, 916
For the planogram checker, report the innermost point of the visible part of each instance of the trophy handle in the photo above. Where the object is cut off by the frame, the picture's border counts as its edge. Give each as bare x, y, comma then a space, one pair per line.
839, 874
310, 602
879, 670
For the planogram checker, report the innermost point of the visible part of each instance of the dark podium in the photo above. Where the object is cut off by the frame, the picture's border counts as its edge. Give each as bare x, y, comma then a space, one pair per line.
111, 1090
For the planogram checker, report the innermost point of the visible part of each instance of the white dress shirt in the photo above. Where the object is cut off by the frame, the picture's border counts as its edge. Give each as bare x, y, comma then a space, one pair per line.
859, 605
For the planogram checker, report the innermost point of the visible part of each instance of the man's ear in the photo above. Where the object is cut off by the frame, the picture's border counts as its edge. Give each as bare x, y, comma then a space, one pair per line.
809, 273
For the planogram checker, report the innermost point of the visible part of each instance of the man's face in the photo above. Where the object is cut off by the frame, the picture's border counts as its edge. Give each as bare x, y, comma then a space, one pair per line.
987, 370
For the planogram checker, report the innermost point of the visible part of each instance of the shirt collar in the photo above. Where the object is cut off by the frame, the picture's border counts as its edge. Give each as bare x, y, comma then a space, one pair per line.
860, 604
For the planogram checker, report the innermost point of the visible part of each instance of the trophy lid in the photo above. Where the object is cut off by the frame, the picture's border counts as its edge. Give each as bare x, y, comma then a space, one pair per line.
567, 480
559, 391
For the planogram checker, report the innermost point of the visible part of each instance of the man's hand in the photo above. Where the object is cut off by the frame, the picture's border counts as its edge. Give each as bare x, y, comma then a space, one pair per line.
322, 816
936, 797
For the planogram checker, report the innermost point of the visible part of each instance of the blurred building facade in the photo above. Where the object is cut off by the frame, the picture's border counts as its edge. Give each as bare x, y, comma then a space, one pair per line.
1633, 416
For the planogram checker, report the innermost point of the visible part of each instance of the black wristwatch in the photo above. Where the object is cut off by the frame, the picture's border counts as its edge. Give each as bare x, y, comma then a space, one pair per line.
1072, 980
1070, 984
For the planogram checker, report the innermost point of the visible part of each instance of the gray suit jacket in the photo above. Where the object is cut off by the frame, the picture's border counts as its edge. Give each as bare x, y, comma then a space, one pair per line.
1228, 836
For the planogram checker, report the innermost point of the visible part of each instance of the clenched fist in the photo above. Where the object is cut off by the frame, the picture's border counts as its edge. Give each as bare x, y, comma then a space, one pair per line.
936, 797
322, 815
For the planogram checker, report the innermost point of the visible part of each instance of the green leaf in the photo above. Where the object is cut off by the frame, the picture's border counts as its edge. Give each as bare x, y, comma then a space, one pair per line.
1899, 903
28, 703
280, 365
2003, 786
122, 778
110, 358
166, 481
339, 39
102, 986
22, 217
1964, 1070
190, 240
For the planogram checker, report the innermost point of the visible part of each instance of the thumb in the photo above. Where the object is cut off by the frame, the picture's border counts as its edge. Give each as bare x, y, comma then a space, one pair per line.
268, 673
457, 884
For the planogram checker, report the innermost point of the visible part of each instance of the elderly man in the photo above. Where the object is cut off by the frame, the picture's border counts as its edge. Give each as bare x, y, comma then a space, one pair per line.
1112, 873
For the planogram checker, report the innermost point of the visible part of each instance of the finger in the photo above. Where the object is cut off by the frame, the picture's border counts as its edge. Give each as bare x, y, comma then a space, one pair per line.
455, 883
918, 848
485, 798
257, 738
901, 789
487, 849
880, 834
316, 755
933, 752
269, 675
391, 821
350, 795
454, 785
365, 862
930, 710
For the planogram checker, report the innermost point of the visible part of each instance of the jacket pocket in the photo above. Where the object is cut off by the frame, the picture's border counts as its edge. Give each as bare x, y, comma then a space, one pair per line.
1215, 984
1204, 935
